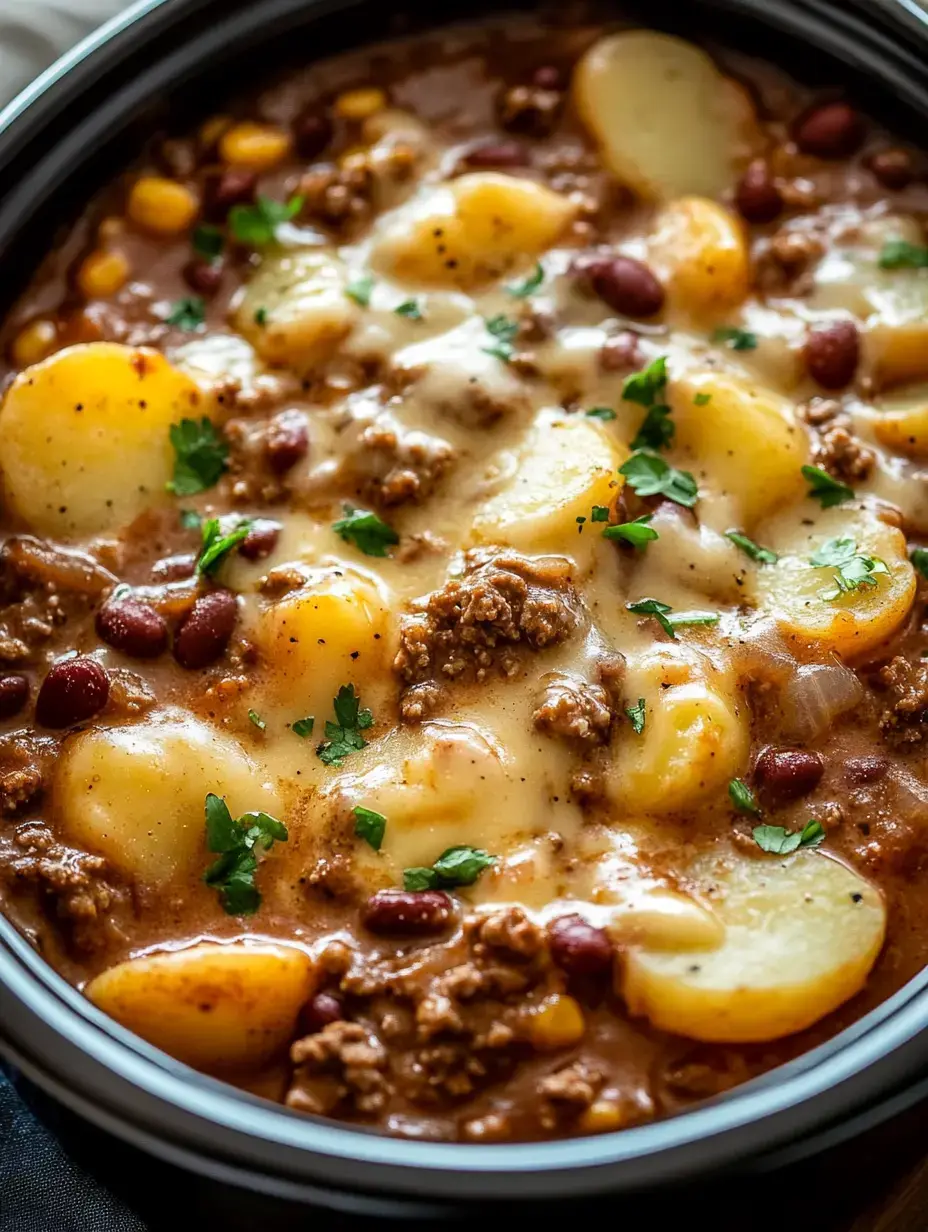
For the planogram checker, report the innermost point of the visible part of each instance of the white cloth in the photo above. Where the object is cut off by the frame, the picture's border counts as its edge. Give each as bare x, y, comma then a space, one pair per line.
33, 33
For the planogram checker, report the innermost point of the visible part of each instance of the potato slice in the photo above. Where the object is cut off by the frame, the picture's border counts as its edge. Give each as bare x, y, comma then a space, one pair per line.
745, 440
791, 591
215, 1007
902, 424
84, 443
669, 123
294, 311
801, 935
471, 231
700, 252
136, 794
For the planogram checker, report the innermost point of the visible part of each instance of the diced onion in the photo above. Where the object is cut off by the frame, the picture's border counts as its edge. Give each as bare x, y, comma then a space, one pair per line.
816, 695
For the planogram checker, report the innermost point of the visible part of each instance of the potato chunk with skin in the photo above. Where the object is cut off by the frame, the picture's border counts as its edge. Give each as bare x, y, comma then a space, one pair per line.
215, 1007
135, 794
669, 123
294, 311
801, 935
699, 250
745, 440
471, 231
84, 443
853, 623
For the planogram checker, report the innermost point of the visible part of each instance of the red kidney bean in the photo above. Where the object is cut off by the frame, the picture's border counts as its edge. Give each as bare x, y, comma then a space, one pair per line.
260, 540
832, 130
868, 769
234, 186
174, 568
757, 197
312, 132
204, 633
203, 276
319, 1011
132, 627
578, 947
782, 775
287, 441
625, 285
407, 913
892, 167
14, 693
72, 691
832, 353
495, 154
548, 78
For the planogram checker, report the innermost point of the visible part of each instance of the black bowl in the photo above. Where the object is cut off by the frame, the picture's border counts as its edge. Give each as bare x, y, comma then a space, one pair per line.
67, 133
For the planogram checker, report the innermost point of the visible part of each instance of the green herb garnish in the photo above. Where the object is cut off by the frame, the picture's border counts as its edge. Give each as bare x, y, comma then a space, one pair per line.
763, 556
458, 866
702, 399
827, 490
255, 718
200, 456
369, 825
636, 716
657, 429
522, 290
409, 309
207, 241
900, 254
680, 620
256, 225
743, 798
359, 289
637, 533
649, 475
736, 339
780, 841
599, 513
216, 545
369, 533
236, 843
303, 727
645, 387
653, 607
853, 571
344, 736
504, 331
919, 558
605, 413
261, 317
190, 519
188, 313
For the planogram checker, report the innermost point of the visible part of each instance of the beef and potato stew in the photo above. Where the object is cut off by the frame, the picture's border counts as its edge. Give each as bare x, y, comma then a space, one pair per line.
464, 577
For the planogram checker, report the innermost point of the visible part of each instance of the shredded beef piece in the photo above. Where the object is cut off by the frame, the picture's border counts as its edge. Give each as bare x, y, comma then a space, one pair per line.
343, 1064
568, 1091
905, 721
575, 710
508, 930
394, 465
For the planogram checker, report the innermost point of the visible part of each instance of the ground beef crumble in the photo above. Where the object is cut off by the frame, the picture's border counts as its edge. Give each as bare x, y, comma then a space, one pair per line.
575, 710
568, 1090
905, 720
837, 450
393, 465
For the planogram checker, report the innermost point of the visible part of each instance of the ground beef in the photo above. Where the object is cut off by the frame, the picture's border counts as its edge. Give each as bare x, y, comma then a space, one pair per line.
837, 449
905, 720
18, 788
568, 1091
340, 1066
508, 931
575, 710
25, 762
393, 465
530, 109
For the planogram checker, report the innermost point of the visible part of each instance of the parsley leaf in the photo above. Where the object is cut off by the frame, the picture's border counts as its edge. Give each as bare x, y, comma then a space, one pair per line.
646, 386
303, 727
190, 519
344, 736
649, 475
188, 313
207, 241
737, 339
653, 607
504, 331
215, 544
702, 399
742, 797
599, 513
419, 879
522, 290
261, 316
854, 571
256, 225
763, 556
409, 309
827, 490
369, 825
680, 619
457, 866
236, 842
900, 254
780, 842
257, 720
605, 413
636, 715
360, 289
637, 533
369, 533
919, 558
657, 429
200, 456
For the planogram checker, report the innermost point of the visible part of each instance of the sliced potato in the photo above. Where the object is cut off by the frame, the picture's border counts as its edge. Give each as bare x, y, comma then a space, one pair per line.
699, 249
669, 123
84, 443
852, 624
801, 935
471, 231
215, 1007
902, 424
294, 310
136, 794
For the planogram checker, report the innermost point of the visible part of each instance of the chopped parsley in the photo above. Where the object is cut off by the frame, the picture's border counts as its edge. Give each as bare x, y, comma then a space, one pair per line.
359, 289
522, 290
702, 399
605, 413
636, 716
190, 519
261, 317
736, 339
200, 456
763, 556
853, 570
637, 533
255, 718
779, 841
743, 798
657, 429
188, 313
645, 387
207, 241
256, 225
409, 309
369, 825
216, 545
900, 254
236, 844
653, 607
919, 558
369, 533
680, 619
827, 490
504, 331
344, 735
458, 866
303, 727
649, 475
599, 513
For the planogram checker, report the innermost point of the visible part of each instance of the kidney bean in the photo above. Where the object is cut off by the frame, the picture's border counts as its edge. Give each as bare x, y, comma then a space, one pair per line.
407, 913
757, 197
312, 132
892, 167
495, 154
204, 633
626, 285
73, 690
782, 775
174, 568
260, 540
832, 130
832, 354
14, 693
234, 186
132, 627
578, 947
287, 441
203, 276
319, 1011
868, 769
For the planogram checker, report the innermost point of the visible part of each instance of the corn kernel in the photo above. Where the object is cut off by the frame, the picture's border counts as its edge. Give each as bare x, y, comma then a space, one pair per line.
360, 104
162, 205
33, 342
558, 1023
601, 1118
212, 129
102, 273
258, 146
